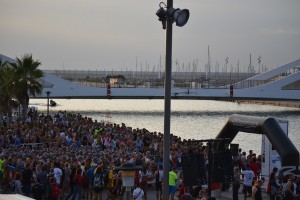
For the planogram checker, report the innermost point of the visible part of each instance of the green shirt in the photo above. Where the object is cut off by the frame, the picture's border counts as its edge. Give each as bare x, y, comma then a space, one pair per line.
1, 165
172, 178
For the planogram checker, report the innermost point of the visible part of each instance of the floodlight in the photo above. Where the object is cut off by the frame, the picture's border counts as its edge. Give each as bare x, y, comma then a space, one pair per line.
179, 16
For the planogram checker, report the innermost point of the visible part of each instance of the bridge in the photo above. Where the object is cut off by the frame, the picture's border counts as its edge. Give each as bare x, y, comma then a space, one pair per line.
279, 84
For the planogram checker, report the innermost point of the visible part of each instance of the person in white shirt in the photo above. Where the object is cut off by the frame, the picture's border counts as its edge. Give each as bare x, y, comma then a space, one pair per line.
144, 176
57, 173
138, 193
248, 180
62, 134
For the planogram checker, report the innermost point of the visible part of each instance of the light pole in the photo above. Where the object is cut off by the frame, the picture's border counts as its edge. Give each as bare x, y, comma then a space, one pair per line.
48, 95
168, 16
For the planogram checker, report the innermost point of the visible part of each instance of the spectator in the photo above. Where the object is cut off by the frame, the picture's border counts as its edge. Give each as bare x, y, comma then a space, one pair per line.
274, 187
256, 190
254, 166
138, 193
90, 173
98, 183
27, 179
144, 176
248, 180
37, 190
77, 180
158, 181
172, 182
186, 195
202, 195
42, 178
57, 173
291, 188
236, 183
17, 183
54, 191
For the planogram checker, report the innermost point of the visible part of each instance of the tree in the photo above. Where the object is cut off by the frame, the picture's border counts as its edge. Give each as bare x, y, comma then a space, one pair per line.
7, 100
27, 76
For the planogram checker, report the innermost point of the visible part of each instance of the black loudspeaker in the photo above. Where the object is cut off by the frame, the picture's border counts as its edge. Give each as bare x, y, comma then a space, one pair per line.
193, 169
234, 149
222, 167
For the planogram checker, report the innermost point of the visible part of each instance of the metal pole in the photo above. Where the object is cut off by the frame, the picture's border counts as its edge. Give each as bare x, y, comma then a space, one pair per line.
167, 106
210, 165
48, 93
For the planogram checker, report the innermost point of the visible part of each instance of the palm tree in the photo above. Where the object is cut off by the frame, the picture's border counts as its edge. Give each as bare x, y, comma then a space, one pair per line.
7, 100
2, 87
27, 76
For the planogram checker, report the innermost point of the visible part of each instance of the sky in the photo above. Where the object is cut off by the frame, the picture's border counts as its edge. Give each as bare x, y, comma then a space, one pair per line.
126, 34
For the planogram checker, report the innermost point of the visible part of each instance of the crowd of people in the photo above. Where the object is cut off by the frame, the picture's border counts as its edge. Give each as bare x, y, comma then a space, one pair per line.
278, 186
48, 151
70, 156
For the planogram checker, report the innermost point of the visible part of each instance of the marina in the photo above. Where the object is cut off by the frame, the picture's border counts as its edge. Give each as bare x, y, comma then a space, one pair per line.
81, 121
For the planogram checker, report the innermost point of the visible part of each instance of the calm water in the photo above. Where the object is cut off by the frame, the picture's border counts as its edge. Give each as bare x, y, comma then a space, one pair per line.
190, 119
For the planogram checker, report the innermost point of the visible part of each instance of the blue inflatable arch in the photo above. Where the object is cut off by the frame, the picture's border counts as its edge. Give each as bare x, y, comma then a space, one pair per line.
268, 126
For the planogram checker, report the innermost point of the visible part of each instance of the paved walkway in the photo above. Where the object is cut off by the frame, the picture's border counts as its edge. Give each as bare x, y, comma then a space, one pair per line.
223, 195
151, 195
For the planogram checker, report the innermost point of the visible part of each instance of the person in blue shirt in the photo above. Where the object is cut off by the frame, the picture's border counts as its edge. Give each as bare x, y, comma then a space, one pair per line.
18, 141
90, 173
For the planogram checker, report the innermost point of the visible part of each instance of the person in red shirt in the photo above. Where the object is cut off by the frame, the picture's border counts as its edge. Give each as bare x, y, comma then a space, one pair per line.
254, 166
78, 180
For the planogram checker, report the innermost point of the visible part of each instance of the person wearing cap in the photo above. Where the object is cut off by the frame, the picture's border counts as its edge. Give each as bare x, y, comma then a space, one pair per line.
248, 179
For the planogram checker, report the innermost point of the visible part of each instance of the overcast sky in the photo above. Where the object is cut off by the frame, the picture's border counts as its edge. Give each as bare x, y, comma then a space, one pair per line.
113, 34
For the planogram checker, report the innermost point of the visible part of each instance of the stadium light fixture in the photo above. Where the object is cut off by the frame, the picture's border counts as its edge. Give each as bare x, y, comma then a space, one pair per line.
180, 17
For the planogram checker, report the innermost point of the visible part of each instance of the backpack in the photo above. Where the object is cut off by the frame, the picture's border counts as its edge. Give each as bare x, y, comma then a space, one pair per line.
98, 182
55, 191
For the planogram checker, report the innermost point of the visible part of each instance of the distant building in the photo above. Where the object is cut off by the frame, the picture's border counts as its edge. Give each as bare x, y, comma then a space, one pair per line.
113, 80
4, 58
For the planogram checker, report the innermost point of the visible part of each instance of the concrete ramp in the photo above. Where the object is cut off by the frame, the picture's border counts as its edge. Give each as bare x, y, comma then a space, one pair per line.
14, 197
